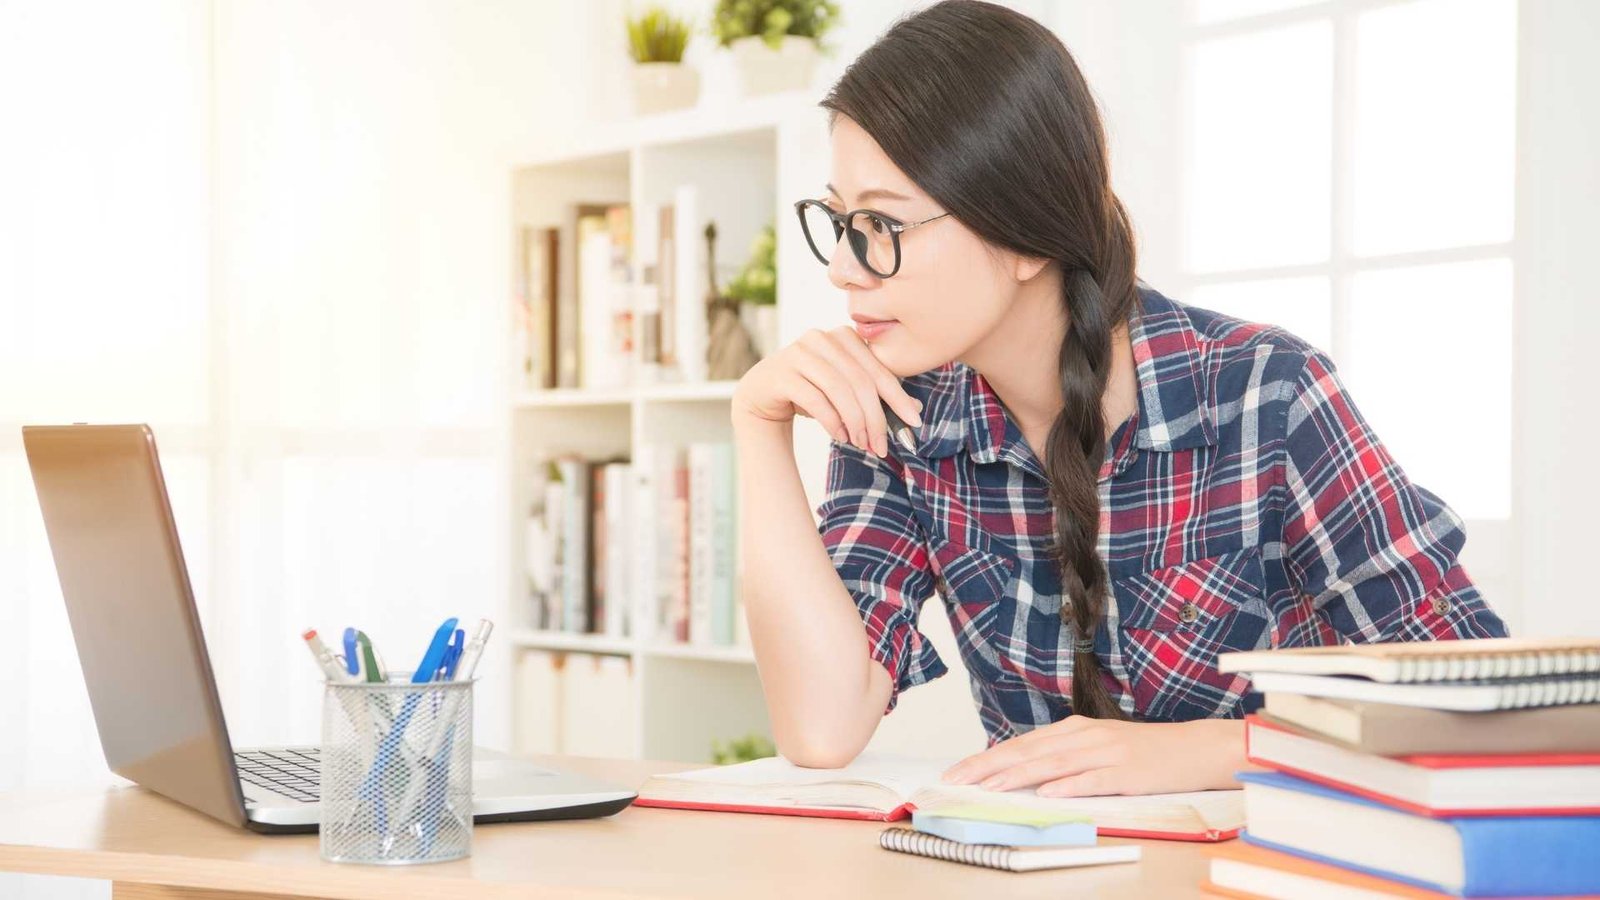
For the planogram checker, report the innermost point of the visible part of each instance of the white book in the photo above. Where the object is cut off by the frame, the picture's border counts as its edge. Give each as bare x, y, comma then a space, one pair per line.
618, 531
575, 544
723, 537
644, 551
595, 307
689, 283
702, 497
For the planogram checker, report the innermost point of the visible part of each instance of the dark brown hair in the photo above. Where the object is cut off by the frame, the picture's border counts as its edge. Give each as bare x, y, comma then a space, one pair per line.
986, 111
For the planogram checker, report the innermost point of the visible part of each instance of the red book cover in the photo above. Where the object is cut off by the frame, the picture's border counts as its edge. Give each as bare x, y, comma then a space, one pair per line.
1432, 761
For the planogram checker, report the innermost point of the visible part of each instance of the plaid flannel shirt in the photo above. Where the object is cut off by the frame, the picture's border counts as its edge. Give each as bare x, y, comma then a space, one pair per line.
1246, 504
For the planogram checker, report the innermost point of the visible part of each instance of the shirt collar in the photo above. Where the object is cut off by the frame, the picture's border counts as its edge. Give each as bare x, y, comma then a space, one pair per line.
1173, 413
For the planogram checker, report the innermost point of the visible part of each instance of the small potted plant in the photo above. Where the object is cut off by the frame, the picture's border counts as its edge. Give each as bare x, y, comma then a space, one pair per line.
775, 43
756, 289
661, 81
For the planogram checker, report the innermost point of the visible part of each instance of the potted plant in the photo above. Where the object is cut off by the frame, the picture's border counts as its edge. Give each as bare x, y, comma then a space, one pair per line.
775, 43
756, 290
661, 81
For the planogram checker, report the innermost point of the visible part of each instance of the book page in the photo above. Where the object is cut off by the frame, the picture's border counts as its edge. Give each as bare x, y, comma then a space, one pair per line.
1192, 811
900, 774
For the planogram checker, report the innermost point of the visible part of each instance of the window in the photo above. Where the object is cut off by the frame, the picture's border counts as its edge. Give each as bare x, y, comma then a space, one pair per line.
1348, 175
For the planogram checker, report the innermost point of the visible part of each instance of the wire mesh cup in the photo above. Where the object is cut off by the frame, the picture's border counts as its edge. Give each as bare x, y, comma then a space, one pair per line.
396, 779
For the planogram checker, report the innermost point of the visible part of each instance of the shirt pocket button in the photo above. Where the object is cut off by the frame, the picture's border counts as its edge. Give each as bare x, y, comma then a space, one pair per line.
1441, 605
1188, 613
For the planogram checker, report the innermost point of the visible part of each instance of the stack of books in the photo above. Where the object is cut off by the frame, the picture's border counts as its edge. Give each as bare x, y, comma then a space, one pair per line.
1452, 768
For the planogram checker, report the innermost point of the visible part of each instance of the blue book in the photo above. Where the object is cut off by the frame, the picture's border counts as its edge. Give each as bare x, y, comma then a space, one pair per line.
1489, 856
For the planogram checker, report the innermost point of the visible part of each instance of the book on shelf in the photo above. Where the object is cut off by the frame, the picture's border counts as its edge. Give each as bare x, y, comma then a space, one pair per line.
1465, 856
712, 535
537, 289
888, 788
689, 321
605, 297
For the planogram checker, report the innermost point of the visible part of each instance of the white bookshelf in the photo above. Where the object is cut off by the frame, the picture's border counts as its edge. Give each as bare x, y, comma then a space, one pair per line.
750, 161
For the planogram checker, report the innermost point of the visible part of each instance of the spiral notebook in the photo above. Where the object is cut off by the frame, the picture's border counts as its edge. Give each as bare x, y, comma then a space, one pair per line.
996, 856
1429, 661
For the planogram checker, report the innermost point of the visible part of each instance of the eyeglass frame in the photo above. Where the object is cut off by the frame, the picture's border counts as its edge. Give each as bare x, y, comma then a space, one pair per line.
841, 224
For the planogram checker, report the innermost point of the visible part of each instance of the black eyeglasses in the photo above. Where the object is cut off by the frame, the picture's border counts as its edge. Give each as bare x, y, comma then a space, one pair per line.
874, 237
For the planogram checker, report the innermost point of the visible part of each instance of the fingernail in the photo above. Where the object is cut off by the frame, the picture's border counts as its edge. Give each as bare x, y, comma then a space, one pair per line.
915, 420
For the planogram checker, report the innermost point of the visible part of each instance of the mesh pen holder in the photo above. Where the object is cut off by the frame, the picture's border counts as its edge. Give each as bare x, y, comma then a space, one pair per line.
396, 779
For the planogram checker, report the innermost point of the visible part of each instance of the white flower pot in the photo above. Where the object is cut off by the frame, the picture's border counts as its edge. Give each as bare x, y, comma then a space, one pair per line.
662, 86
761, 320
763, 70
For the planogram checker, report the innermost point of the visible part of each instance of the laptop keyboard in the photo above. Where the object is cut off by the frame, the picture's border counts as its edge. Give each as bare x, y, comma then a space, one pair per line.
292, 773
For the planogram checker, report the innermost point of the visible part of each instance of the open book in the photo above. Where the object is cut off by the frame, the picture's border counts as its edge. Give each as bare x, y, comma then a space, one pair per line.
886, 788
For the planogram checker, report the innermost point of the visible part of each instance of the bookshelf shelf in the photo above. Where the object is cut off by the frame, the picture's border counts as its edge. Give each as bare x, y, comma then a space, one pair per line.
696, 652
554, 398
534, 639
741, 166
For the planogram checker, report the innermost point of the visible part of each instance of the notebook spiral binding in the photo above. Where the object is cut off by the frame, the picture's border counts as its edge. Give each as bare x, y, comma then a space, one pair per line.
1511, 664
904, 840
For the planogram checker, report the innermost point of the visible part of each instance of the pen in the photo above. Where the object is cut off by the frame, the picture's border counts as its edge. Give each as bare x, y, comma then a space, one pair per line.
371, 662
328, 662
444, 724
899, 430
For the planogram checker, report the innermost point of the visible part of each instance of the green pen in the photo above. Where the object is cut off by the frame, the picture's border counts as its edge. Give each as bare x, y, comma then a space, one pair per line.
371, 663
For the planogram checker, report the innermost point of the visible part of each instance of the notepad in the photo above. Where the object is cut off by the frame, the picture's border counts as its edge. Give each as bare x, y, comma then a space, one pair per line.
1014, 859
882, 787
1425, 661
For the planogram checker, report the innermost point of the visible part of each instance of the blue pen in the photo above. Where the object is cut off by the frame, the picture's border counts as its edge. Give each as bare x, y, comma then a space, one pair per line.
434, 657
352, 659
431, 661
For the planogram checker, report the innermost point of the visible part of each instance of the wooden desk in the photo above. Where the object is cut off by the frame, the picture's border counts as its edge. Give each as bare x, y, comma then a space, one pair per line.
154, 849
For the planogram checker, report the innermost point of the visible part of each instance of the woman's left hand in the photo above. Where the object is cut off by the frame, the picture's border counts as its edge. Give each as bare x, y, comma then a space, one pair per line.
1080, 757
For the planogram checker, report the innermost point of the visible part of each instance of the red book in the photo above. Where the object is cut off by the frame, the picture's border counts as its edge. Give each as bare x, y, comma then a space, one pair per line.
1437, 785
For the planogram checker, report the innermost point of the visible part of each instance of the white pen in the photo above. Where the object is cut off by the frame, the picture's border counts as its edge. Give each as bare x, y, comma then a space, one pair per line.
474, 649
325, 658
441, 724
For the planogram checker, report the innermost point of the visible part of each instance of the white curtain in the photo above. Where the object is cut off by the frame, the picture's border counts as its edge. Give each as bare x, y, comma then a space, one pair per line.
279, 233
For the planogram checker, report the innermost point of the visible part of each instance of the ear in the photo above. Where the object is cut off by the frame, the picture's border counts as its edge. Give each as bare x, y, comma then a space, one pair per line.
1025, 268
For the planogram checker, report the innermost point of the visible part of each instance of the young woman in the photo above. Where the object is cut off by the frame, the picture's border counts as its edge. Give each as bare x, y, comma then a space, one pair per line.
1108, 487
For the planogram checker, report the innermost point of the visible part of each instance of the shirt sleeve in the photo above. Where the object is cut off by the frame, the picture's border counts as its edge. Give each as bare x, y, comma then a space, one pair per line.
1374, 554
876, 544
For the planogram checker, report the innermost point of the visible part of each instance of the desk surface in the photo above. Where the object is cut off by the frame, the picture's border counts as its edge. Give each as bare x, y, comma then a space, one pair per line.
130, 836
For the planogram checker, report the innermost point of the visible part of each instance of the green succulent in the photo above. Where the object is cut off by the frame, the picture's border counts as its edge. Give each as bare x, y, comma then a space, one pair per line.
656, 35
770, 20
751, 746
757, 282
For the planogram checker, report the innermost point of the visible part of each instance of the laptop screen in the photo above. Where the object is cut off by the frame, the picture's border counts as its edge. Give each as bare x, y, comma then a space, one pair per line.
133, 613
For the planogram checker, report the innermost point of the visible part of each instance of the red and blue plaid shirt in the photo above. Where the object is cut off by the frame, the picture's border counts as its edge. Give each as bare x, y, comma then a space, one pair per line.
1246, 504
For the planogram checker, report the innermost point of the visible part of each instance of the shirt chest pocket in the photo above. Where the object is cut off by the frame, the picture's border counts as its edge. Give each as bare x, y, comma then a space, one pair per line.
976, 582
1173, 621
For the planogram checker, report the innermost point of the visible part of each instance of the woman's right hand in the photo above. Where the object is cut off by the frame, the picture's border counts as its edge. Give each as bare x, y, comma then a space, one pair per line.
833, 377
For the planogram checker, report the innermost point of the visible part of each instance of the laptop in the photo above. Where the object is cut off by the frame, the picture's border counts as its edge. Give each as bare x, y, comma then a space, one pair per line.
150, 682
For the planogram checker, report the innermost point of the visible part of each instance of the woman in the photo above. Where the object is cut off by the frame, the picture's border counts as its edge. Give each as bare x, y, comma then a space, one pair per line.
1108, 487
